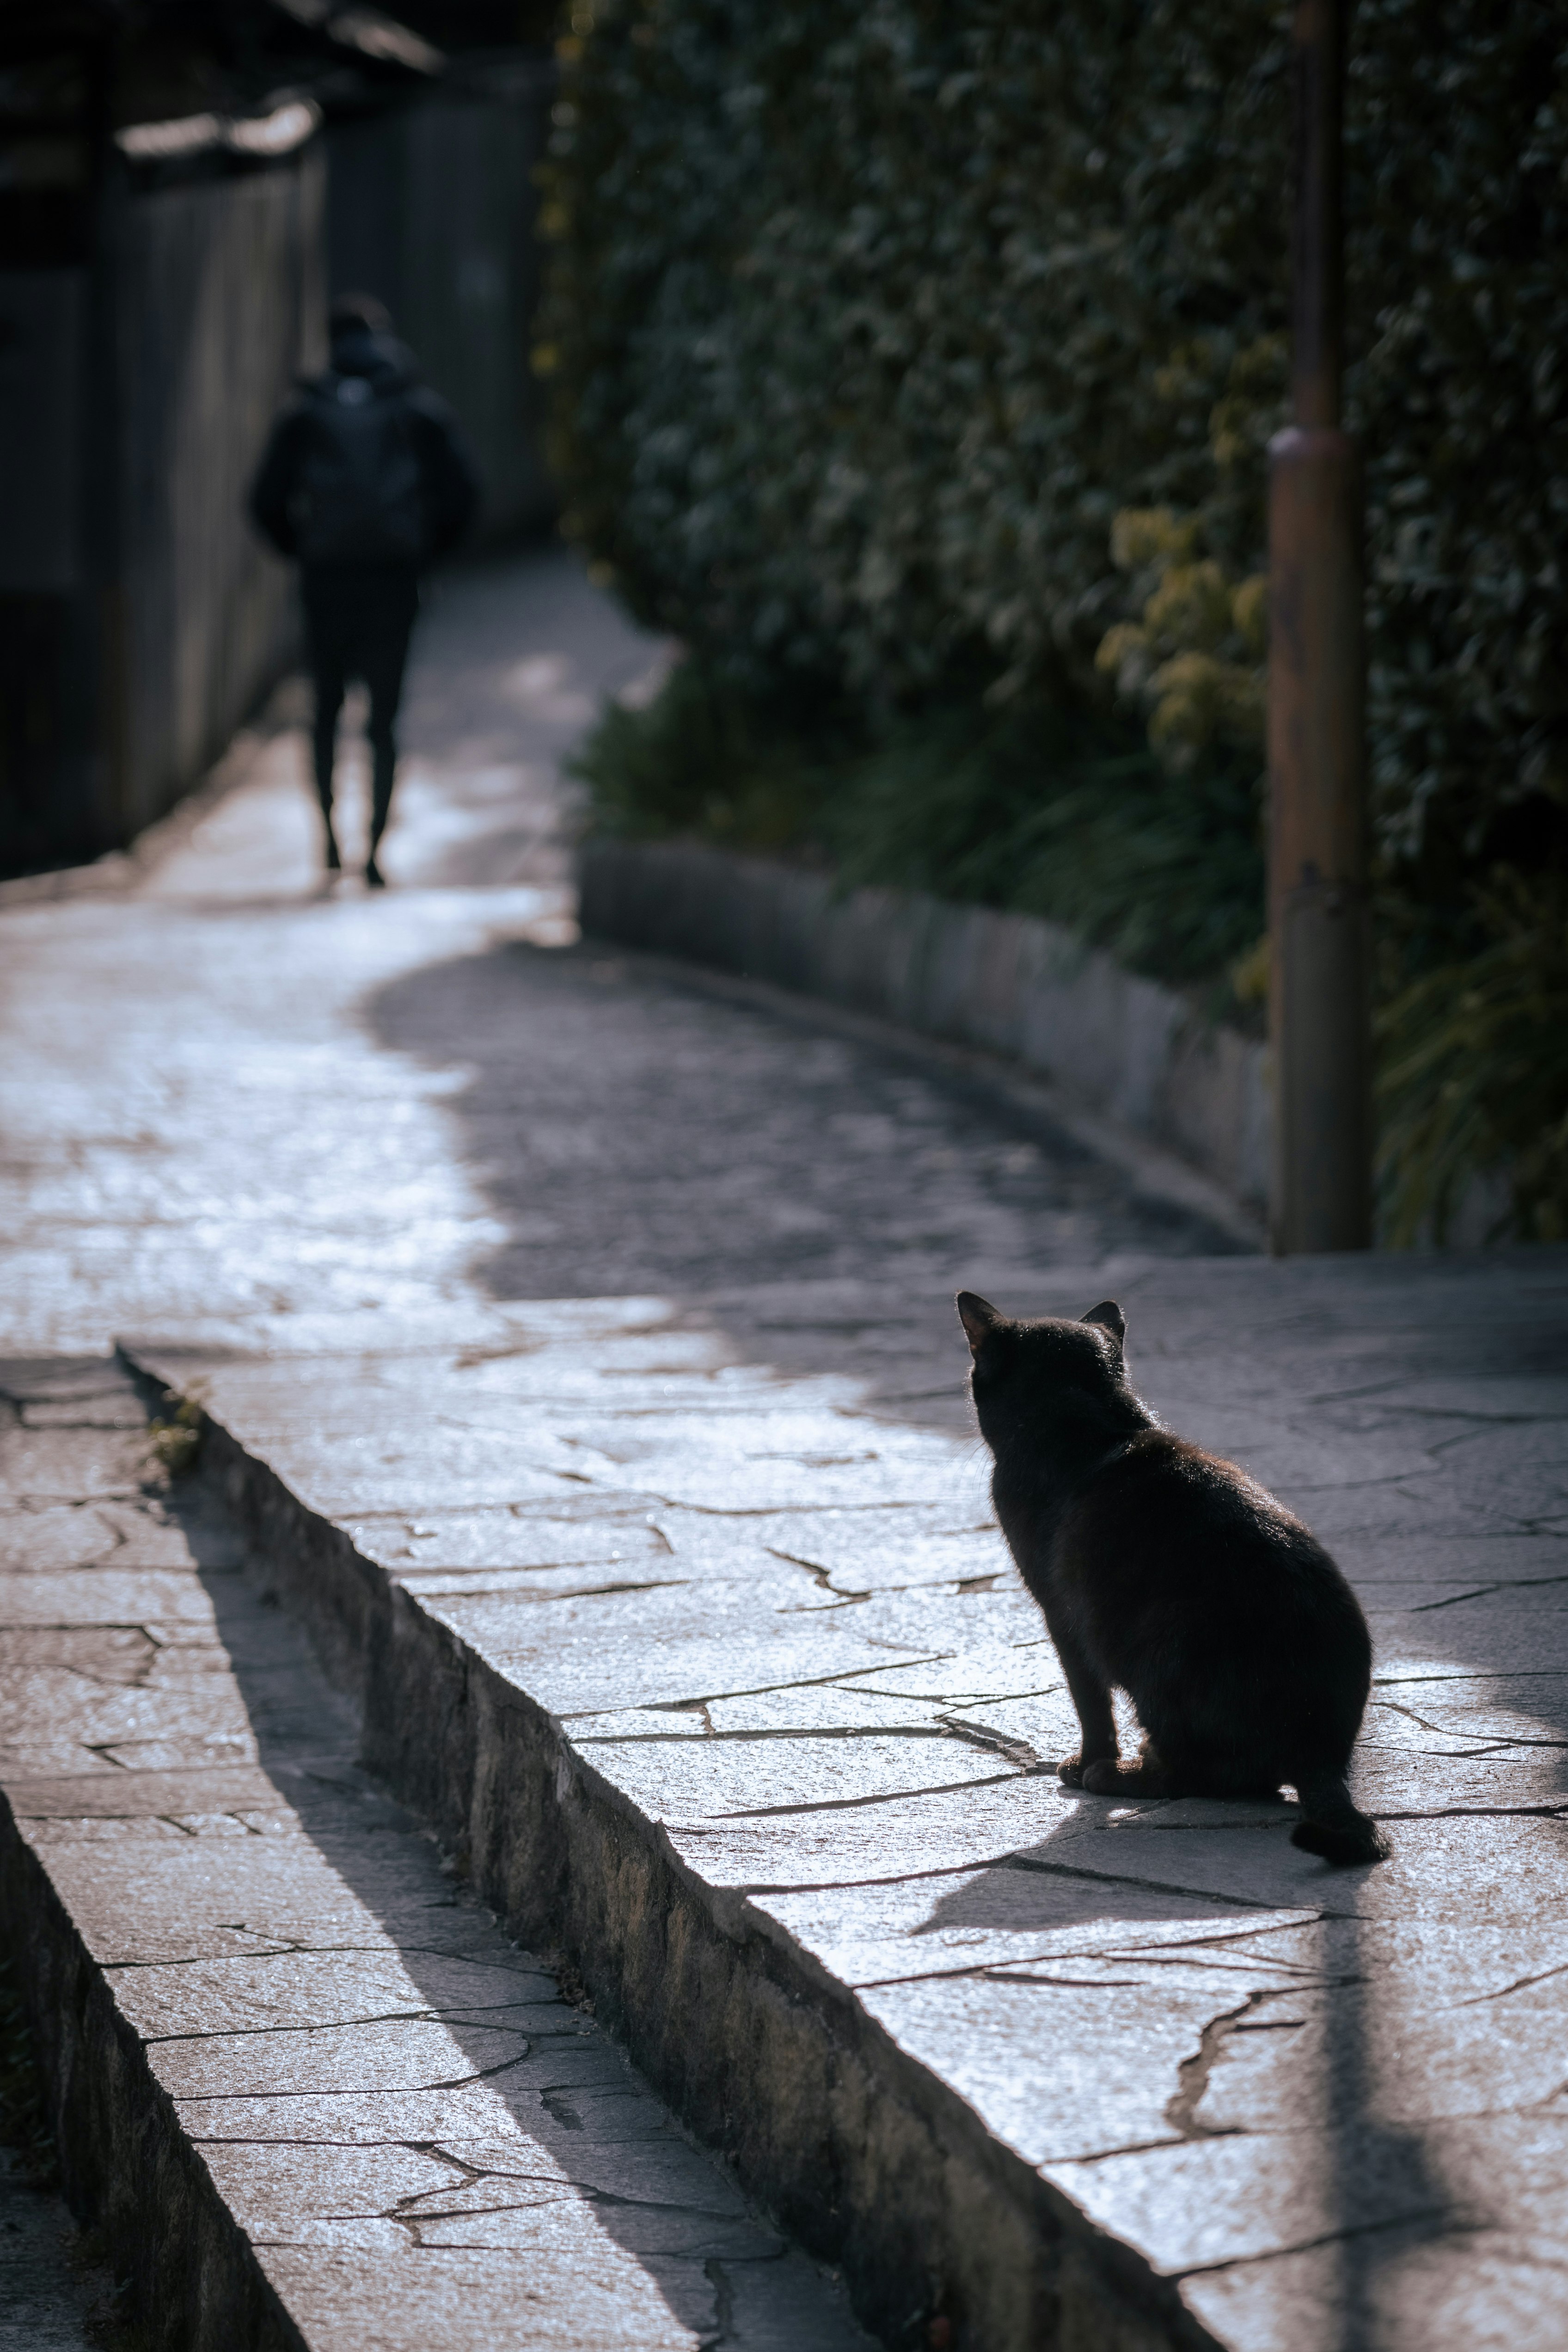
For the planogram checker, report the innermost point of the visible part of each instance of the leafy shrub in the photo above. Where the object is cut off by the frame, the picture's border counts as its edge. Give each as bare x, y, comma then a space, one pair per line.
1196, 655
1032, 812
858, 317
1063, 814
706, 758
1475, 1070
867, 326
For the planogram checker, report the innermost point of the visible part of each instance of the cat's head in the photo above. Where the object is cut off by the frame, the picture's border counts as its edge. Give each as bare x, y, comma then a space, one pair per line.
1046, 1370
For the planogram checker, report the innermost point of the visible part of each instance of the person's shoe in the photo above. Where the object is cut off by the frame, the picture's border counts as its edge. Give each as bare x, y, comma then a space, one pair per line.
334, 861
375, 878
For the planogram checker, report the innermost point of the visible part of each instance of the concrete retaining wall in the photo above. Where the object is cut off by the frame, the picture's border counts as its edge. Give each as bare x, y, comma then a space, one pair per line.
1010, 983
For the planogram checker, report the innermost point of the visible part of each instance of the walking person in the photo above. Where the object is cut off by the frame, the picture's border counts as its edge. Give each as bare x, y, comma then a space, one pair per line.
366, 480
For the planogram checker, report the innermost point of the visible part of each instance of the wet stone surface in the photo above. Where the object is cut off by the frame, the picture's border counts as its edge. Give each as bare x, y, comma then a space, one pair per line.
769, 1606
608, 1313
418, 2135
230, 1094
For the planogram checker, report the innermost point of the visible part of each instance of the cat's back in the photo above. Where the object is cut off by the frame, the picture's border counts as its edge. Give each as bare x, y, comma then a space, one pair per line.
1157, 1464
1185, 1576
1167, 1510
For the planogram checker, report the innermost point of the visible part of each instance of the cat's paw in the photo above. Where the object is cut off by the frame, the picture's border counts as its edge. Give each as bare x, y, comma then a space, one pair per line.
1069, 1771
1146, 1777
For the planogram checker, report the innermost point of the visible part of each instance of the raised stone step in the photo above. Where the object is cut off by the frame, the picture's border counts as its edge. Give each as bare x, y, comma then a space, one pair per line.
712, 1667
305, 2088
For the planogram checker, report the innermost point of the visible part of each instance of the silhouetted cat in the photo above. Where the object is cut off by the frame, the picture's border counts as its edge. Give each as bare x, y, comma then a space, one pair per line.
1167, 1573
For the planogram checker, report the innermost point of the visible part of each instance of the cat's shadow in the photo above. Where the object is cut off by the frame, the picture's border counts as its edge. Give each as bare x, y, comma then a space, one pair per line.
1186, 1859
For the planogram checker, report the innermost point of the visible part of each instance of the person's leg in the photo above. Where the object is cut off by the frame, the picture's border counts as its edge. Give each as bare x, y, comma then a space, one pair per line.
326, 651
384, 656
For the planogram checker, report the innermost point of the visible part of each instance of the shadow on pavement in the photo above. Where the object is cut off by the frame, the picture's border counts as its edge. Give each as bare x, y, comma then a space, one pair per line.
603, 2135
638, 1135
635, 1132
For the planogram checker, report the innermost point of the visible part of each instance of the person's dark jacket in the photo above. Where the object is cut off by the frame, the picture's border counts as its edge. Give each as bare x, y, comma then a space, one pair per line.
422, 487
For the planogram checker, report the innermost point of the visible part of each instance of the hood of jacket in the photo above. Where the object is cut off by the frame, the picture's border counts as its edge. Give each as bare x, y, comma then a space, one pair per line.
386, 364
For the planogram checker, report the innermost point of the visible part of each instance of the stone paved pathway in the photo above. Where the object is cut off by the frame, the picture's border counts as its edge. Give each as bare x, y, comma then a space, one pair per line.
228, 1095
704, 1519
770, 1620
224, 1092
422, 2139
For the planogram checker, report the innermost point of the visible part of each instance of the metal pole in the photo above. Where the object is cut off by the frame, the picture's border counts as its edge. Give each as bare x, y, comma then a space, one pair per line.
1318, 913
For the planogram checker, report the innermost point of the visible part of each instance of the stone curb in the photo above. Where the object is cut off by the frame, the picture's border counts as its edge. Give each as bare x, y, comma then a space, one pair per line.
124, 2156
859, 2152
301, 2088
1012, 985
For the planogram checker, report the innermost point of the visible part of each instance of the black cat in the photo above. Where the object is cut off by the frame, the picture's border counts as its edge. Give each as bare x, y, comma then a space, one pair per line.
1167, 1573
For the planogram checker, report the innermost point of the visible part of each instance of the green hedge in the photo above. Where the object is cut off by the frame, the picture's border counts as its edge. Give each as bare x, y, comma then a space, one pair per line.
1052, 812
857, 324
930, 352
867, 328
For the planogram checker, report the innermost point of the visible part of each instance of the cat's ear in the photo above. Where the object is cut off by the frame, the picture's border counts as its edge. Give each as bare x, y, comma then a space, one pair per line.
1109, 1318
978, 1316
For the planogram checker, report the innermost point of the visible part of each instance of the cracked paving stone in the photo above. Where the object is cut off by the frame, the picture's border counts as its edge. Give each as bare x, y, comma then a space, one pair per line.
607, 1314
419, 2138
1190, 2028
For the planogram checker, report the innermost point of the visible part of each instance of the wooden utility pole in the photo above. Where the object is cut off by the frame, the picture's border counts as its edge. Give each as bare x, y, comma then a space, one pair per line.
1319, 921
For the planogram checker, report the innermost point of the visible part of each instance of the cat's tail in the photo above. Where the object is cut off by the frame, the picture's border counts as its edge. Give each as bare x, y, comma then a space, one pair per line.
1331, 1824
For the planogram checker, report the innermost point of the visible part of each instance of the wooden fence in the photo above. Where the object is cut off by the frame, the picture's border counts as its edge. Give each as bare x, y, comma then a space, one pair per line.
220, 300
141, 363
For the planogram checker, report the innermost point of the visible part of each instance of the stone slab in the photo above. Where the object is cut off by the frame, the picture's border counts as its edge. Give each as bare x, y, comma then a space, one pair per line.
306, 2090
1012, 984
379, 1141
808, 1743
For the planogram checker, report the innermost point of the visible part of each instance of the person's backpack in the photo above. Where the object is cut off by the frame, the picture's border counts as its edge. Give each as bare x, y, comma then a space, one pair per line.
359, 495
